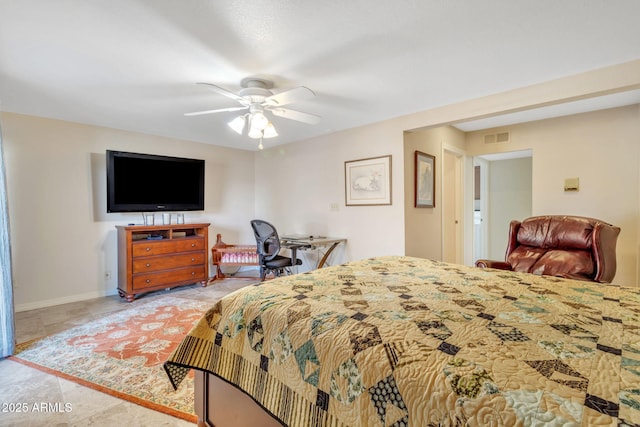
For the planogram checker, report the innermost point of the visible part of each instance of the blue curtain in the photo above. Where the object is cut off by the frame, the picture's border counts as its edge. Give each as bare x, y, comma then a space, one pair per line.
7, 330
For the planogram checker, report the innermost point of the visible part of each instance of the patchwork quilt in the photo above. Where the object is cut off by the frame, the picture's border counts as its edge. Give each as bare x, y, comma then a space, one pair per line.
400, 341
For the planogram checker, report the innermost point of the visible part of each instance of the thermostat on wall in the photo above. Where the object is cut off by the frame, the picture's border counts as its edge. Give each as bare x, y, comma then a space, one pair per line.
571, 184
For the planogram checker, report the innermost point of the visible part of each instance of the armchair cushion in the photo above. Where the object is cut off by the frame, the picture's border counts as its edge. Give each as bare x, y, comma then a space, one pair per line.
568, 263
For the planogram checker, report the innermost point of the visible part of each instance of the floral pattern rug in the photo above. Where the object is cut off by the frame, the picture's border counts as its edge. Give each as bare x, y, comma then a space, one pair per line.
122, 354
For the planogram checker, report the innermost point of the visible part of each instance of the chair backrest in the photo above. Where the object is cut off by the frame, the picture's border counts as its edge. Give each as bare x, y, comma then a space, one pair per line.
267, 240
569, 246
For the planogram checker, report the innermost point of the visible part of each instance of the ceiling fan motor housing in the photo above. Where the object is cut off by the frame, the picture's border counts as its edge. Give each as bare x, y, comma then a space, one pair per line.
255, 90
256, 82
255, 94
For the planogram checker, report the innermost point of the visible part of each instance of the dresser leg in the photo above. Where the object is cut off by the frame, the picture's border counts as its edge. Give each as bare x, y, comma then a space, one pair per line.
128, 296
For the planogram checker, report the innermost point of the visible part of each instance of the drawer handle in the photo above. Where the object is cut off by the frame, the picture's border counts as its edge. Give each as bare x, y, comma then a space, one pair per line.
148, 265
147, 249
193, 259
148, 280
193, 273
193, 245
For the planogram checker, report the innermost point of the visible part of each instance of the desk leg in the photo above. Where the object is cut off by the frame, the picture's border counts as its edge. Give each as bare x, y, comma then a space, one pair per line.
326, 254
294, 259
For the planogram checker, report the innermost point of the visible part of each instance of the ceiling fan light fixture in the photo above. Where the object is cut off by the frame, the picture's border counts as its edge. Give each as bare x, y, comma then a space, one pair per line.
259, 121
237, 124
270, 131
255, 133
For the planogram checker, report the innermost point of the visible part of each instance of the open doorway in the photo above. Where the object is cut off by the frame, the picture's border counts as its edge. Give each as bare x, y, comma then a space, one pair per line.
504, 193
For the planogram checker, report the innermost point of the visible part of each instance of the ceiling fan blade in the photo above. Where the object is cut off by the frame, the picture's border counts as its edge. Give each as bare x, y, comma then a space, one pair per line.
223, 91
286, 113
220, 110
290, 96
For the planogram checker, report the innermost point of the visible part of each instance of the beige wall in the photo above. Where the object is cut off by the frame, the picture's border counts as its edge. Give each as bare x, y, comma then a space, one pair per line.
602, 149
423, 226
63, 240
510, 197
296, 185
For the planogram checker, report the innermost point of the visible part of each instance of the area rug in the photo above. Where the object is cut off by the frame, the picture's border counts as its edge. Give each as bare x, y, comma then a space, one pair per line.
122, 354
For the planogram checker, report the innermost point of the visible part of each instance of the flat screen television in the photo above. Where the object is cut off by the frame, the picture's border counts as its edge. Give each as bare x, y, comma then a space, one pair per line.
151, 183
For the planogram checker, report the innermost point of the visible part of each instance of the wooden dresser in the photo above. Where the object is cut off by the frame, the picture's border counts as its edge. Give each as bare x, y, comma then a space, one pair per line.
161, 256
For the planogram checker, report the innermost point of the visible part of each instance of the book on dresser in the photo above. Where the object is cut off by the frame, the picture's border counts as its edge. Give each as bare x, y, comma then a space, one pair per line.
161, 256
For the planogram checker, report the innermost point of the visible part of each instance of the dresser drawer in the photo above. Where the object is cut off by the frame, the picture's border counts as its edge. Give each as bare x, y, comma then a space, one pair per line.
161, 247
164, 262
169, 277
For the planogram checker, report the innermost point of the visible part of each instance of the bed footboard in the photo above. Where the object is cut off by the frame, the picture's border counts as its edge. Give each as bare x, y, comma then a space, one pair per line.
218, 404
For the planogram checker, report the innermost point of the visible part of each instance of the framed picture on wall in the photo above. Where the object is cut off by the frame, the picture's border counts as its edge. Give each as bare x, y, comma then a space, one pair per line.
368, 181
425, 180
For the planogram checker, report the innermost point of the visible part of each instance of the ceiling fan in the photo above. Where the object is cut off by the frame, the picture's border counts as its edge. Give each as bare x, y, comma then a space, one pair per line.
256, 97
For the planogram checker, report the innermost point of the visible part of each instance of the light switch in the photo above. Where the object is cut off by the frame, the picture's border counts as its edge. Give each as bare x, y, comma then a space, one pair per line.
571, 184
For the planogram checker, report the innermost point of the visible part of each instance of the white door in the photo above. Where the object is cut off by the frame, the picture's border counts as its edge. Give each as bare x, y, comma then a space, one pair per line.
452, 229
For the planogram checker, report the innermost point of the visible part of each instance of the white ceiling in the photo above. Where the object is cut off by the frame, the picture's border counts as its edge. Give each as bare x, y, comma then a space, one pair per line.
133, 64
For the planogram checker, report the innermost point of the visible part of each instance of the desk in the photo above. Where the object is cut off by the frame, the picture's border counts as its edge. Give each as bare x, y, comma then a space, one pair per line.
312, 242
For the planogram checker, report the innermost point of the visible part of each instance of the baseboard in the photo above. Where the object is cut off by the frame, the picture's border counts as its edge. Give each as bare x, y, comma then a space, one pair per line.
64, 300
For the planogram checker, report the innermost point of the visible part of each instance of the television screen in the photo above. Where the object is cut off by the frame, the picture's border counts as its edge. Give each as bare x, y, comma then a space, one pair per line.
149, 183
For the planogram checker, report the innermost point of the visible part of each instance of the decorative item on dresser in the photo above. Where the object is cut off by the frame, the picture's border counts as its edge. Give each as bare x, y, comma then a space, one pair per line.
161, 256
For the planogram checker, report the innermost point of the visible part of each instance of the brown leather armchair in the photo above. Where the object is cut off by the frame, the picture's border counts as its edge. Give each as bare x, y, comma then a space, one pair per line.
554, 245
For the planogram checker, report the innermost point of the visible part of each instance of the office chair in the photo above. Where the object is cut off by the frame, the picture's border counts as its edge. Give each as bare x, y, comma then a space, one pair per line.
268, 247
556, 245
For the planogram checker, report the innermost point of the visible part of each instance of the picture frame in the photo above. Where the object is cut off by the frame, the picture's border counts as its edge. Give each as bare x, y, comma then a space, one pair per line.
368, 181
425, 180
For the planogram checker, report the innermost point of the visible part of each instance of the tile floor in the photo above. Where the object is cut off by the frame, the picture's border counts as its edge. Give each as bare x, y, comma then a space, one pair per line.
23, 384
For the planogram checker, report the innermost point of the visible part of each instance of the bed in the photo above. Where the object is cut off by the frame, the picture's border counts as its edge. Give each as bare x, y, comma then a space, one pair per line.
401, 341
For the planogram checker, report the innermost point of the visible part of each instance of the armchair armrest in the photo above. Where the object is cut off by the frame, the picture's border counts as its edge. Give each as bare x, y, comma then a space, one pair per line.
487, 263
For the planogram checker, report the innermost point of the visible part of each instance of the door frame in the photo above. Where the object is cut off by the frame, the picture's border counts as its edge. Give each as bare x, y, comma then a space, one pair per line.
484, 206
